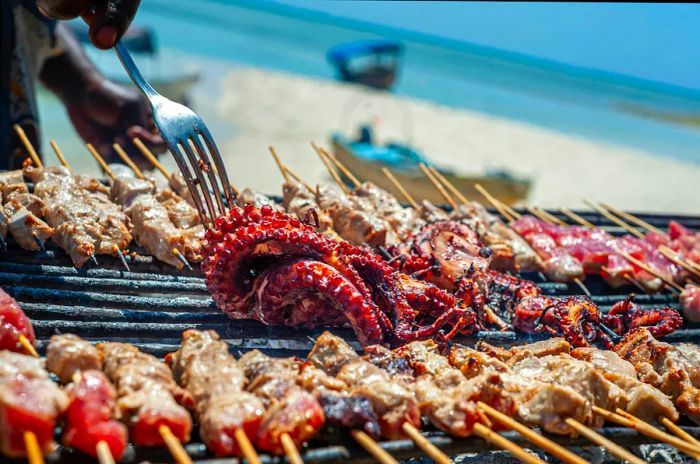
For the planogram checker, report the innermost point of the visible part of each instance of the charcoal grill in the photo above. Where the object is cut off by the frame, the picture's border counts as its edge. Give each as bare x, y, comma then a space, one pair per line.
153, 303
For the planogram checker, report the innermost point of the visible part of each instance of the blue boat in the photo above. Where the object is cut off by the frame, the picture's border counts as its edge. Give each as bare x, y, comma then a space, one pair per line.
373, 63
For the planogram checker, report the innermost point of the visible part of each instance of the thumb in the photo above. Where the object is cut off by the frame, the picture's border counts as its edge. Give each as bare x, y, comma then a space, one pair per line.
110, 21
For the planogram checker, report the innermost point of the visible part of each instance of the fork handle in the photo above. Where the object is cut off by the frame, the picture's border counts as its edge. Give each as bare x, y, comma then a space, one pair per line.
133, 71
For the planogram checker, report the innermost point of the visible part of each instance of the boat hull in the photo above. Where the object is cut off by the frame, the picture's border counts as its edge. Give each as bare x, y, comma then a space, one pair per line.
418, 185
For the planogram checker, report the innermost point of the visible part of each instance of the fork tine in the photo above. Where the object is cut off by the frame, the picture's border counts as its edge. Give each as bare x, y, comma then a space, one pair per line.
187, 147
219, 162
184, 168
199, 148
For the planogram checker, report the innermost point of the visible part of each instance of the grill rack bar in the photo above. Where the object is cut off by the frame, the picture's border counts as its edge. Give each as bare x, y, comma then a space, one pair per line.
152, 304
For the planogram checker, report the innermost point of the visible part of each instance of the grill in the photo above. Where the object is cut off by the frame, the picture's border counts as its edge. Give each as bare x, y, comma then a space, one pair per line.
152, 304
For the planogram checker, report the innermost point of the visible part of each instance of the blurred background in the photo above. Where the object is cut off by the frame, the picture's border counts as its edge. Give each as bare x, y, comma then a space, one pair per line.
545, 103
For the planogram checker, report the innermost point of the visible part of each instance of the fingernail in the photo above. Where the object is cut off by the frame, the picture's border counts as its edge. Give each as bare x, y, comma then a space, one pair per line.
106, 36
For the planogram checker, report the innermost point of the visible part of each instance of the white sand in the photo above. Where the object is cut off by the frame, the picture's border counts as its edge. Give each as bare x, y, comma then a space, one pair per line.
288, 111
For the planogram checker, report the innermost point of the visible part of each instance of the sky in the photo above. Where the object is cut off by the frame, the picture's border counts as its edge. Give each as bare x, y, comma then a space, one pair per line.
657, 42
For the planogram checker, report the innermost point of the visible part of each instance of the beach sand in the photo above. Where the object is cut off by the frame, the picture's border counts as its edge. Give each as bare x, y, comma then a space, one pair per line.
249, 109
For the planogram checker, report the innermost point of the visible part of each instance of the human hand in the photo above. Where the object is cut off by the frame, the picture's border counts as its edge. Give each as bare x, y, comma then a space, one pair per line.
106, 113
108, 19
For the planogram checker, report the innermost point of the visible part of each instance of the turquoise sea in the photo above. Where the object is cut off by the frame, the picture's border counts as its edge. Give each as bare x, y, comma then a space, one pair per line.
563, 98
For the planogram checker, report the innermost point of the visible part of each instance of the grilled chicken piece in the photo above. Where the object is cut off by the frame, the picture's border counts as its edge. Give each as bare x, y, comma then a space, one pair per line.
85, 221
21, 213
643, 400
68, 354
248, 196
153, 229
391, 400
673, 371
179, 186
355, 219
147, 394
298, 200
181, 213
204, 366
404, 221
431, 213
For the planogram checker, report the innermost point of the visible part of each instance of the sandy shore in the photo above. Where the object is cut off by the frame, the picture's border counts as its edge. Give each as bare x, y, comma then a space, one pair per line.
249, 109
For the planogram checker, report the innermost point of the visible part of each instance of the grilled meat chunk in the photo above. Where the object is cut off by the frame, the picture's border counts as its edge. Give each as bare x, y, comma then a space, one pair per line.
404, 221
29, 401
68, 354
665, 367
204, 366
147, 394
298, 200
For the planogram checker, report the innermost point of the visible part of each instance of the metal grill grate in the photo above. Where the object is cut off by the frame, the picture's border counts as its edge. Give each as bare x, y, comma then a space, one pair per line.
151, 306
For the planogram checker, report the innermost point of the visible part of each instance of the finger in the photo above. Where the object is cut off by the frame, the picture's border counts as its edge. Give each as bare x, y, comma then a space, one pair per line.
153, 141
63, 9
112, 19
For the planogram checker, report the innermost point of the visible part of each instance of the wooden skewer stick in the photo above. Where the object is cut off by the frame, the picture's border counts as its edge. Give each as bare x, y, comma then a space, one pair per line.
290, 449
128, 161
182, 258
372, 447
247, 450
31, 444
438, 186
298, 178
535, 438
644, 266
346, 172
432, 451
450, 186
600, 440
615, 219
553, 219
395, 182
174, 445
481, 431
510, 210
633, 219
495, 203
576, 218
628, 420
104, 455
28, 145
101, 161
280, 166
148, 154
331, 169
59, 155
671, 255
679, 432
27, 345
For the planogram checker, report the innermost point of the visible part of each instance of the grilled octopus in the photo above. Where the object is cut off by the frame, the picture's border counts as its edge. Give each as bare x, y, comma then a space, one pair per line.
627, 315
265, 265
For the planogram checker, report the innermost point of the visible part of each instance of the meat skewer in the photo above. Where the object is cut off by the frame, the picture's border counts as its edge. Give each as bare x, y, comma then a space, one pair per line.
16, 330
152, 226
64, 163
393, 397
90, 424
228, 415
22, 213
180, 212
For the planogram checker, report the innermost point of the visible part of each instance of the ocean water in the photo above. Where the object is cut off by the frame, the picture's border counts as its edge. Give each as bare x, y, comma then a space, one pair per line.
561, 98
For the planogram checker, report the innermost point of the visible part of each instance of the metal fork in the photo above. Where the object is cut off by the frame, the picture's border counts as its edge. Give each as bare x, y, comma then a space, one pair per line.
184, 131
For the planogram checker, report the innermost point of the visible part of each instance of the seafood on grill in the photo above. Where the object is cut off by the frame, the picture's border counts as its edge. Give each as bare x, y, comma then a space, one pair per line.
268, 266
